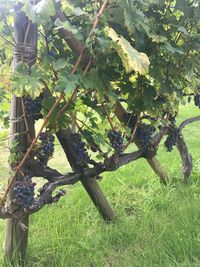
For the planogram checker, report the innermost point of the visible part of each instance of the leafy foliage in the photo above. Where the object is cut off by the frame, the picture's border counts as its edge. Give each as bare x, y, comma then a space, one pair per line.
26, 81
143, 55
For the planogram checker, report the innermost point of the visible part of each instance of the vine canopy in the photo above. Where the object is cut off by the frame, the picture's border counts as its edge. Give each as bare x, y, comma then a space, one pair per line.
144, 54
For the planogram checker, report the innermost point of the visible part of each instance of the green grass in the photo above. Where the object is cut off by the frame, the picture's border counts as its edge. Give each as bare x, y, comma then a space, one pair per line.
157, 225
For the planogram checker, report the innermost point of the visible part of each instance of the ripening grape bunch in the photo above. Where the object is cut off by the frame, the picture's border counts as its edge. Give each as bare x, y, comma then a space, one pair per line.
47, 144
144, 134
116, 141
24, 191
197, 100
174, 134
79, 149
33, 107
172, 118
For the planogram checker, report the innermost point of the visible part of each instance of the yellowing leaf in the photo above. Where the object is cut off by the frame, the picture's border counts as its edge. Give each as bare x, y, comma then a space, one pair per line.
44, 9
131, 58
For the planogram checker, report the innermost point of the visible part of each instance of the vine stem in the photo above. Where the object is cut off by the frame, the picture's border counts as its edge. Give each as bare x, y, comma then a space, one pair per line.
5, 39
75, 67
133, 133
75, 119
73, 96
91, 31
25, 120
108, 117
163, 132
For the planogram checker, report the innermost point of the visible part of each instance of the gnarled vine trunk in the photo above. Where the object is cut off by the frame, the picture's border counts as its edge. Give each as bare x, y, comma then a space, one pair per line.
186, 159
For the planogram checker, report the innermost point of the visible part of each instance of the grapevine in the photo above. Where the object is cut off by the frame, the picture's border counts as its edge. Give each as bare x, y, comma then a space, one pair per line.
173, 135
144, 134
24, 191
80, 151
172, 118
33, 107
47, 143
116, 141
116, 73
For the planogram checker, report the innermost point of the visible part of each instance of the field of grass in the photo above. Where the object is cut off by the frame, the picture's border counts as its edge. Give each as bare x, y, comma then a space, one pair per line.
156, 225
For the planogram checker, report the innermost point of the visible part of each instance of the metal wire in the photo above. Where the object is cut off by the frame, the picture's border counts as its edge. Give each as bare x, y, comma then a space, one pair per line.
25, 51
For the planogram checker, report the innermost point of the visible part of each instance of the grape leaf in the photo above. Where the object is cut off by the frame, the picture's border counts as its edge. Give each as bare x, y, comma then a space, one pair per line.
67, 82
131, 58
26, 81
65, 25
59, 64
39, 13
44, 9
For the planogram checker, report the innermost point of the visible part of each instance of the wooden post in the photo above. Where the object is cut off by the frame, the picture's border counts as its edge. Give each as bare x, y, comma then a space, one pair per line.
90, 184
16, 232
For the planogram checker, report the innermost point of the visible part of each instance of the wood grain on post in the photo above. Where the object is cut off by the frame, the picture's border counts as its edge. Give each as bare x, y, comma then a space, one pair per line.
16, 232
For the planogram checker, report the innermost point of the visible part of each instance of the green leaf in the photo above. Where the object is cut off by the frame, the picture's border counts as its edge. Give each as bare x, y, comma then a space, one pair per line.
44, 9
68, 82
59, 64
77, 11
183, 30
158, 38
26, 81
65, 25
64, 120
131, 58
41, 12
172, 49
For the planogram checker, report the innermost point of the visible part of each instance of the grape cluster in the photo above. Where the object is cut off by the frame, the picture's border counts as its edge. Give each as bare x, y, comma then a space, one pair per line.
172, 118
80, 151
24, 191
197, 100
116, 141
47, 143
33, 107
144, 134
174, 135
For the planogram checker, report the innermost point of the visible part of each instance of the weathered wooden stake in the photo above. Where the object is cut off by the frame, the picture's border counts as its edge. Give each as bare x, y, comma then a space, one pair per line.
16, 232
90, 184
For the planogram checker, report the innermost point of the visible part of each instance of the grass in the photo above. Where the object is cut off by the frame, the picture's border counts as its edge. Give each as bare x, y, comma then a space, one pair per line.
157, 225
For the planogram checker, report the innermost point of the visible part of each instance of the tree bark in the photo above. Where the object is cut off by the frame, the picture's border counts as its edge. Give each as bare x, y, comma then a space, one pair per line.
16, 232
